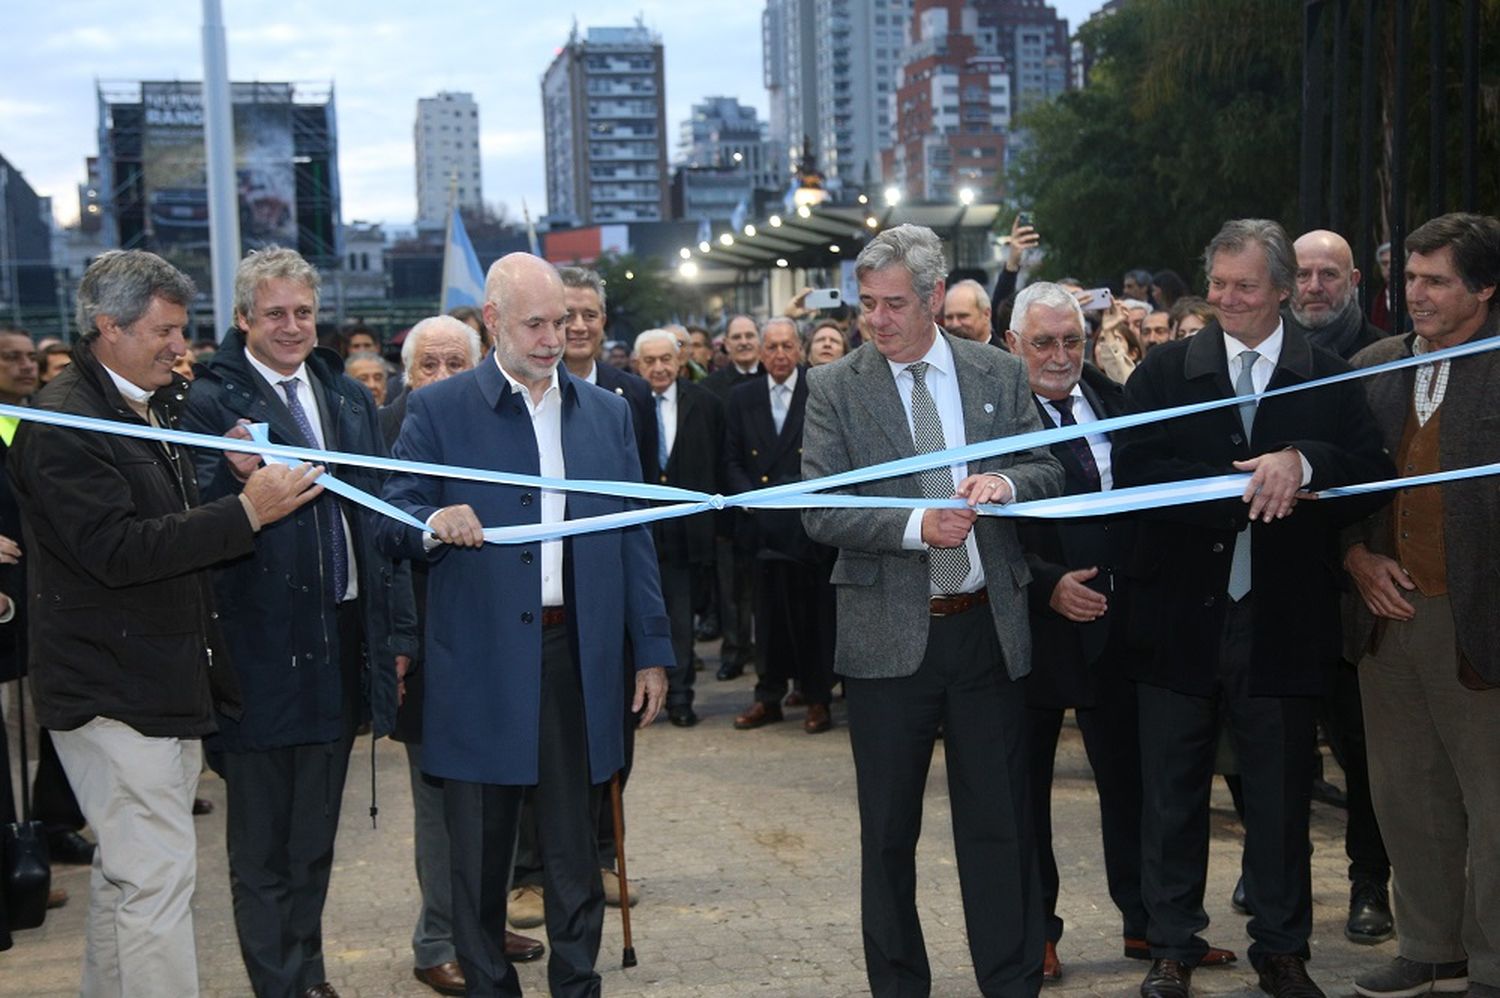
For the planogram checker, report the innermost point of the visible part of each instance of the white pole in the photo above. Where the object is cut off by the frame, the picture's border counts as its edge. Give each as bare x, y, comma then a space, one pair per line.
223, 191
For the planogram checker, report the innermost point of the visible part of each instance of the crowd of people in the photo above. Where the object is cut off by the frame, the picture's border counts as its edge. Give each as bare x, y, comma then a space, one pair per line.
178, 607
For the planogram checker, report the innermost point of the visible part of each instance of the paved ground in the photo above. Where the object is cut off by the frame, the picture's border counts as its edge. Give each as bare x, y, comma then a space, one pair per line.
744, 849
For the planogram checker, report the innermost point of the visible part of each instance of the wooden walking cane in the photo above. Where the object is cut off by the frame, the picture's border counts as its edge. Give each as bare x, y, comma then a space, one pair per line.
617, 810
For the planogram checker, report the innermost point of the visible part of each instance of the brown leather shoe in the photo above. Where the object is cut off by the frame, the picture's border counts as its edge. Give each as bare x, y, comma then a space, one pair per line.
1139, 949
1051, 965
818, 719
759, 715
518, 949
447, 978
1167, 979
56, 898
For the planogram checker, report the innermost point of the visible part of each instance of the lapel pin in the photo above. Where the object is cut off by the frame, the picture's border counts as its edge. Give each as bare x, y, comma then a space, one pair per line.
989, 407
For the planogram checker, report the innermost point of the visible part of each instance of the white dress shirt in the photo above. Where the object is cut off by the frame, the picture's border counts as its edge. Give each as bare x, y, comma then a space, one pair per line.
309, 400
942, 384
668, 408
546, 423
1260, 375
1098, 442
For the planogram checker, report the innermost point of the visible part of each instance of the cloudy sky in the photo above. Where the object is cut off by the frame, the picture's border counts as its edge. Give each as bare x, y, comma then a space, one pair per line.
380, 55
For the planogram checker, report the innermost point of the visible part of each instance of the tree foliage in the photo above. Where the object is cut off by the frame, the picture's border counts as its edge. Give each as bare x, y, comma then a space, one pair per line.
639, 294
1190, 118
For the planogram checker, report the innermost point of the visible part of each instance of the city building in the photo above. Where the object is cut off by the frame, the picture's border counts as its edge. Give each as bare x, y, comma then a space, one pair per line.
830, 66
362, 276
151, 177
951, 107
712, 193
28, 284
1033, 40
604, 112
722, 132
447, 140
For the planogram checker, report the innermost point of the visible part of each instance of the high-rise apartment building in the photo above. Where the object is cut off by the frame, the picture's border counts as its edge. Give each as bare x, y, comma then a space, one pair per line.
1033, 39
604, 112
951, 107
722, 132
447, 140
830, 67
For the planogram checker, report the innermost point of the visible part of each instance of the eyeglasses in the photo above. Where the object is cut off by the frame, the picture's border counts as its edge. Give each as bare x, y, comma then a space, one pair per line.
1047, 344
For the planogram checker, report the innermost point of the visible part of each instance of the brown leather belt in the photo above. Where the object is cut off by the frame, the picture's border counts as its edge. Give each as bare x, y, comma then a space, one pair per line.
554, 616
947, 606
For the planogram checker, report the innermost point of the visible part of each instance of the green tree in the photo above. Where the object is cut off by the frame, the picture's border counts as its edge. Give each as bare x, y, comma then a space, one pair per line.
639, 292
1190, 117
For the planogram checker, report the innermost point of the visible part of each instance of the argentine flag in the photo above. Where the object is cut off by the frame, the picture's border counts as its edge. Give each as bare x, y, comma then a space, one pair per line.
463, 281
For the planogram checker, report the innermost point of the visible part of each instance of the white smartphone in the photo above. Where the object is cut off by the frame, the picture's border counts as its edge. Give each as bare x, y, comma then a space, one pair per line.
824, 298
1096, 299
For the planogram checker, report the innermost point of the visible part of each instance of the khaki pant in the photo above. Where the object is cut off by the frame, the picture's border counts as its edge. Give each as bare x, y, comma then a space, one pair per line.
1434, 751
137, 793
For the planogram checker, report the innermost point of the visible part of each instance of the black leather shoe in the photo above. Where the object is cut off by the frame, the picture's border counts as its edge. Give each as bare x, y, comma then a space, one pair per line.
729, 671
324, 990
682, 717
1237, 900
1167, 979
1284, 975
69, 848
1369, 914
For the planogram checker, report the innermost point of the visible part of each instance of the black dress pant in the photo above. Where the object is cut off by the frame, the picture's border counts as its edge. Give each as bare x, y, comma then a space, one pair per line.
792, 618
1111, 737
677, 594
1343, 718
962, 687
280, 825
482, 821
1273, 740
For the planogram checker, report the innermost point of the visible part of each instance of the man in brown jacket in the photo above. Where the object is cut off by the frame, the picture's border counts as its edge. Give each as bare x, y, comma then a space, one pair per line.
1425, 630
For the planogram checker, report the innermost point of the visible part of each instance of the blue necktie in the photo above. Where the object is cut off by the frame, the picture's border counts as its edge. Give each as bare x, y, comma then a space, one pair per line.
779, 406
662, 453
333, 525
1239, 565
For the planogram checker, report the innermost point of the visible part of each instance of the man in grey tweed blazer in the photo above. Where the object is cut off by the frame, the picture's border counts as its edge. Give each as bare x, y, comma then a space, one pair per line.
932, 625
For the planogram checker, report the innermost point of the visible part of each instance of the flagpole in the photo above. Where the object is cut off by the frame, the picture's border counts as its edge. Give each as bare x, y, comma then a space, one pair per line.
218, 140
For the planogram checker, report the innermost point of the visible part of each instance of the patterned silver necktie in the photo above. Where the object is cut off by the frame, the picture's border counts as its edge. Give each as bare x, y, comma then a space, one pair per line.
948, 566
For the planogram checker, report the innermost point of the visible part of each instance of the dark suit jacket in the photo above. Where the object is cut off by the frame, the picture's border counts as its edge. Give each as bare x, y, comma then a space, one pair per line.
637, 392
1066, 656
1182, 555
727, 379
855, 418
755, 457
1468, 435
695, 463
484, 627
12, 582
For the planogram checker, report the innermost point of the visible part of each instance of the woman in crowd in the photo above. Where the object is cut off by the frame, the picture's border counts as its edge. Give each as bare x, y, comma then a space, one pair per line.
827, 343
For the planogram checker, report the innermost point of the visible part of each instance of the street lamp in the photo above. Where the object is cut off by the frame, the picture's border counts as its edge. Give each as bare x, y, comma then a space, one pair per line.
966, 196
893, 196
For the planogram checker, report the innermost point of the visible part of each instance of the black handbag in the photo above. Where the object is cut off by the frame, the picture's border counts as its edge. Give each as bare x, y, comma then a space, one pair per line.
26, 865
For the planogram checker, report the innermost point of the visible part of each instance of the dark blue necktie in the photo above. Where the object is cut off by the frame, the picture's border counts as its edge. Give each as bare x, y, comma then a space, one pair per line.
1078, 445
333, 525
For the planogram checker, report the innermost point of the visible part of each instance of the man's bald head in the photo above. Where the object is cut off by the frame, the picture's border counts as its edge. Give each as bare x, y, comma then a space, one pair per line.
1326, 278
525, 310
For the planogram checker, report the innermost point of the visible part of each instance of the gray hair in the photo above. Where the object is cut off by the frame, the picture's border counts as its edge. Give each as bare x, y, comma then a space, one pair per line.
1048, 295
915, 247
1238, 233
650, 336
121, 285
981, 296
780, 320
433, 324
1137, 303
274, 263
582, 277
